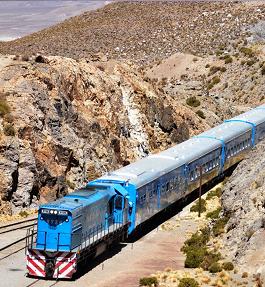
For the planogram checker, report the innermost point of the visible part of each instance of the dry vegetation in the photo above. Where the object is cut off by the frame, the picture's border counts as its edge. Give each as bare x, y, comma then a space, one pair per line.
143, 32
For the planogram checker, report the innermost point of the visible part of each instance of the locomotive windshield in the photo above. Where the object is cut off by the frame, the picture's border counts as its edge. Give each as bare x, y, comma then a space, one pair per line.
53, 217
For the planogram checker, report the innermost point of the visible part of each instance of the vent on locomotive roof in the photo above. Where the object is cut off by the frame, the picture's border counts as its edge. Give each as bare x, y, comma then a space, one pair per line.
163, 156
127, 174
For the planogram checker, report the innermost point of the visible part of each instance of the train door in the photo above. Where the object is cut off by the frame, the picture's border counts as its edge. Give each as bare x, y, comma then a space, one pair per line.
158, 192
118, 209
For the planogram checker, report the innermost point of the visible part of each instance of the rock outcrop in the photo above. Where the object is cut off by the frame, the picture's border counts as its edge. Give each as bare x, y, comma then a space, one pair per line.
64, 122
243, 200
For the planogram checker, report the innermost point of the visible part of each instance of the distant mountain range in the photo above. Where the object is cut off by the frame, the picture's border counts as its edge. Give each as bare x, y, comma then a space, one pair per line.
19, 18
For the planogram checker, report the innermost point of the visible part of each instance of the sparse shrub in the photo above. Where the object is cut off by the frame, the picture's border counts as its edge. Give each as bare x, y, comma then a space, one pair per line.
228, 60
207, 66
228, 266
4, 108
195, 207
40, 59
215, 80
146, 79
200, 113
148, 281
205, 233
196, 241
251, 62
249, 233
9, 130
247, 51
244, 275
9, 118
263, 71
209, 259
70, 184
195, 59
215, 267
164, 277
219, 225
214, 214
214, 192
210, 86
243, 62
214, 69
193, 102
195, 248
195, 257
25, 58
101, 68
183, 76
188, 282
23, 213
219, 52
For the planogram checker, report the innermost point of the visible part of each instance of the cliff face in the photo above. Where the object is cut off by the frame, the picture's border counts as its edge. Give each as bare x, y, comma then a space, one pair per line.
64, 122
244, 200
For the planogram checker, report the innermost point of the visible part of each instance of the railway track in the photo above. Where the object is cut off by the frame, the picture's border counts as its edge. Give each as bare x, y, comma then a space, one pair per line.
14, 227
17, 225
41, 282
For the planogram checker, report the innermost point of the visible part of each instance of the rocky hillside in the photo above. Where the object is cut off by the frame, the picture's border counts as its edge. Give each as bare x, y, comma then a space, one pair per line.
144, 31
243, 200
64, 122
216, 86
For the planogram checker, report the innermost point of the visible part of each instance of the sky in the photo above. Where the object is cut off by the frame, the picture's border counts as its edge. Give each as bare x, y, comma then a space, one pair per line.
20, 17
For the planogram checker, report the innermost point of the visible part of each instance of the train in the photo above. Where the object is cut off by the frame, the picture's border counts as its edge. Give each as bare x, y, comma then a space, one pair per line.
83, 224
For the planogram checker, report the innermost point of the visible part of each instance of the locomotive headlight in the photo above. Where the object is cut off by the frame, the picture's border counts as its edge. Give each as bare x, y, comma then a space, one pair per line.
51, 211
55, 211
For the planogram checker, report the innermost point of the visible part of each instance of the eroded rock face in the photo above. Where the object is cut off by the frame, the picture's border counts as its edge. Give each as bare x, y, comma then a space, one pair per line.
74, 121
244, 200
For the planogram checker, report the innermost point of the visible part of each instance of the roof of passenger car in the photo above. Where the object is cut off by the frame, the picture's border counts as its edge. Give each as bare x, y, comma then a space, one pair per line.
153, 166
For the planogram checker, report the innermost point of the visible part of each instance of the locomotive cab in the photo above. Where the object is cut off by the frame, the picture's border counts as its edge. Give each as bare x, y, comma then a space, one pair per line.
54, 229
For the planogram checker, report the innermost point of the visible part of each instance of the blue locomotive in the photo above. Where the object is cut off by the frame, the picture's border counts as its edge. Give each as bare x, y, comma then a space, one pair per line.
84, 223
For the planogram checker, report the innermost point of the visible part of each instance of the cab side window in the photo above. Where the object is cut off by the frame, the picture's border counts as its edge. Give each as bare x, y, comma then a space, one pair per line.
118, 202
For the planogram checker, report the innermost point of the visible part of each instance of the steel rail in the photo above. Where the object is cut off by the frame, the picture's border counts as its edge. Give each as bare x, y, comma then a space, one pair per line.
17, 223
17, 228
13, 243
33, 283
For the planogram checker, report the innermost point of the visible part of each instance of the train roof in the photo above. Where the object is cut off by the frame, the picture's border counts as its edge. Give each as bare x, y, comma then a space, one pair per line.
153, 166
80, 197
